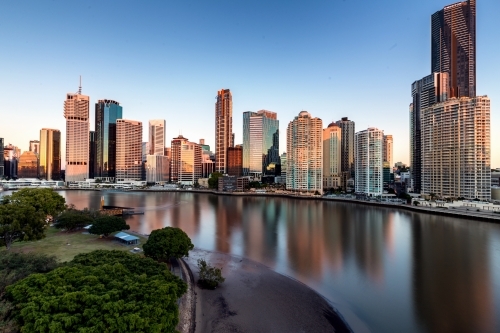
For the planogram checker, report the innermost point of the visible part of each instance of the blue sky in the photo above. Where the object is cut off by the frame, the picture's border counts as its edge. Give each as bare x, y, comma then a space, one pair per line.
167, 59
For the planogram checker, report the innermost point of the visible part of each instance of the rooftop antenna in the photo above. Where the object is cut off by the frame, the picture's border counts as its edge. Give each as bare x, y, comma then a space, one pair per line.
80, 87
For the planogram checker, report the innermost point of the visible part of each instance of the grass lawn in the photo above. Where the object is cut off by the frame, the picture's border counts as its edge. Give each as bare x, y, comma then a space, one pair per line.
65, 245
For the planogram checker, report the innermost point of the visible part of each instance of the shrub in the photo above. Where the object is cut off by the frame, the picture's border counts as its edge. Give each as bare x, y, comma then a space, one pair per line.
209, 276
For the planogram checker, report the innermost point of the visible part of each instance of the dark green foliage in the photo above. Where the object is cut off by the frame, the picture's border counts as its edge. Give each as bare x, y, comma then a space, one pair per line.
213, 181
73, 219
44, 200
254, 184
209, 276
20, 222
15, 267
167, 243
107, 224
102, 291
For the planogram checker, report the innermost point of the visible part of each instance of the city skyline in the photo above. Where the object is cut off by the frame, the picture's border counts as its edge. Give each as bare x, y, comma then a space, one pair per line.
326, 90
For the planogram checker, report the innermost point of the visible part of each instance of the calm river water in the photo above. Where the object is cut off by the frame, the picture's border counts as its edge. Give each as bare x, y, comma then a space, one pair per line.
385, 270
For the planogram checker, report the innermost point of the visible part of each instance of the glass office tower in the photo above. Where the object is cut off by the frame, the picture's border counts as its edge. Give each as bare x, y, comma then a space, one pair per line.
260, 143
106, 113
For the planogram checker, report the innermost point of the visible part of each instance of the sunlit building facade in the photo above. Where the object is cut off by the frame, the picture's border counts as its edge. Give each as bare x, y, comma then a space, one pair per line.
332, 156
157, 169
235, 161
304, 172
369, 162
35, 146
107, 112
223, 128
128, 150
157, 137
456, 148
28, 165
186, 166
76, 113
50, 154
260, 143
388, 149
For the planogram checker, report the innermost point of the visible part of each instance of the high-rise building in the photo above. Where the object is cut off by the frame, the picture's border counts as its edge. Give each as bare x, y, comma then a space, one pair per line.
223, 128
260, 143
456, 148
453, 46
388, 149
76, 112
204, 146
332, 147
430, 90
157, 137
347, 149
28, 165
11, 156
207, 164
107, 112
50, 154
157, 169
186, 161
304, 151
235, 161
369, 162
128, 150
92, 154
35, 146
1, 159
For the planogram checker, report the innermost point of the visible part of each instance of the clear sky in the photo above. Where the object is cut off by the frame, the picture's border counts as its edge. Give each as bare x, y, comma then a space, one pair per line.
167, 59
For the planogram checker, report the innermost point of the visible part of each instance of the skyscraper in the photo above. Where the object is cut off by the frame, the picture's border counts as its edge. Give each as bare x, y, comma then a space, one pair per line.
427, 91
128, 150
35, 146
107, 112
157, 137
332, 147
260, 143
453, 46
1, 159
235, 161
76, 112
28, 165
304, 154
388, 149
186, 161
50, 154
369, 164
157, 169
456, 148
92, 154
347, 150
223, 128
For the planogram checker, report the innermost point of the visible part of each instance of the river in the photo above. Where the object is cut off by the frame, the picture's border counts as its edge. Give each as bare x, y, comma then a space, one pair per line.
385, 270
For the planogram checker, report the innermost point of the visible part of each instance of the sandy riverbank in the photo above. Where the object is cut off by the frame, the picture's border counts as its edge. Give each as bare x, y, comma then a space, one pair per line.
254, 298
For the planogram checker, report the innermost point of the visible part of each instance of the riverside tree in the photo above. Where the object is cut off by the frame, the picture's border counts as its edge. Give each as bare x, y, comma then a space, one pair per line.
44, 200
164, 244
20, 222
213, 181
209, 277
73, 219
100, 291
108, 224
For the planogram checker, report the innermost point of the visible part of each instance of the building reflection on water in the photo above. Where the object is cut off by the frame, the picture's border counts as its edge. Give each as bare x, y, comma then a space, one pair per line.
393, 269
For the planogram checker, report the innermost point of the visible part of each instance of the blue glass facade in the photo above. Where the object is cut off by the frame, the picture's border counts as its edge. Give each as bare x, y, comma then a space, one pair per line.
106, 114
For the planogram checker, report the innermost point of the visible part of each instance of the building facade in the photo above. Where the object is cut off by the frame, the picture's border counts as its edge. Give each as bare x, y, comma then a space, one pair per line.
235, 161
76, 113
107, 112
50, 154
453, 46
347, 150
260, 143
35, 146
28, 165
388, 149
304, 171
369, 162
157, 137
128, 150
223, 128
92, 154
186, 166
2, 173
456, 148
157, 169
332, 156
11, 156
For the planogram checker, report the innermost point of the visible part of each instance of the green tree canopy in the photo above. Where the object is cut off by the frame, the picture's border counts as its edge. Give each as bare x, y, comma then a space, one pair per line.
209, 276
213, 181
167, 243
73, 219
44, 200
20, 222
107, 224
102, 291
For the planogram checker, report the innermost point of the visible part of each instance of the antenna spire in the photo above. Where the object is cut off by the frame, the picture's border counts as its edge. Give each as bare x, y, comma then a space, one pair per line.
80, 87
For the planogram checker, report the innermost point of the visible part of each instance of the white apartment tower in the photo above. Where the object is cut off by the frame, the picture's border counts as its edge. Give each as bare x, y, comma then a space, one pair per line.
369, 161
332, 147
128, 150
456, 148
304, 170
76, 112
157, 137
